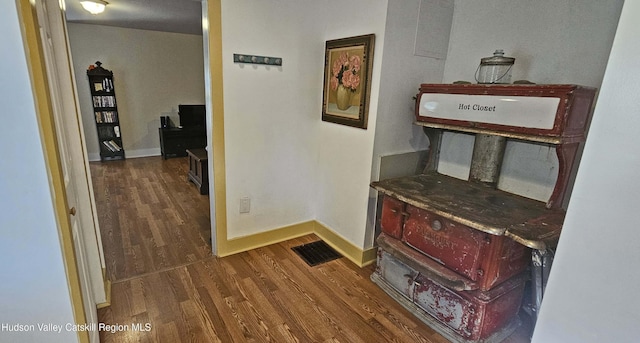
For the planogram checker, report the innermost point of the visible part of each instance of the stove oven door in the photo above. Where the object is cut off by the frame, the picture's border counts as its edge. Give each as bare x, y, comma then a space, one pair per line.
396, 274
476, 255
454, 245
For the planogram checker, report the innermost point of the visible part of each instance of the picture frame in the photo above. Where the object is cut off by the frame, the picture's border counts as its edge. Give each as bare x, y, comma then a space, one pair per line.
347, 80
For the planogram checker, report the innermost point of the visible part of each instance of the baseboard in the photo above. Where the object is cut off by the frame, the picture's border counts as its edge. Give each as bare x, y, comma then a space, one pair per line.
356, 255
107, 291
258, 240
95, 156
142, 153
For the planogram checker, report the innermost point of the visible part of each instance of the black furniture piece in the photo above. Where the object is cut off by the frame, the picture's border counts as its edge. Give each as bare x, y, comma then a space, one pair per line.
192, 115
174, 141
199, 169
191, 134
103, 96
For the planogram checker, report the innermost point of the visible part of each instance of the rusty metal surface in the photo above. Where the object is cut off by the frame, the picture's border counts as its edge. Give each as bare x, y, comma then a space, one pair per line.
435, 143
479, 207
398, 275
486, 162
462, 316
472, 314
568, 161
520, 136
392, 217
498, 336
424, 264
481, 257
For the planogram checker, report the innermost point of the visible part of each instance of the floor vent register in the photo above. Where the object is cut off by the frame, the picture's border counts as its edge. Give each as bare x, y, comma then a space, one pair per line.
316, 253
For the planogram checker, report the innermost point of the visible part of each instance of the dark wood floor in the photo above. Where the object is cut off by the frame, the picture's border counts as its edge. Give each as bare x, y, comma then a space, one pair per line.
155, 235
151, 217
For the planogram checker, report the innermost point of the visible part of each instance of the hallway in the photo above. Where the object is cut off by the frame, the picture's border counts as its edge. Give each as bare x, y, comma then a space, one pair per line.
167, 287
151, 218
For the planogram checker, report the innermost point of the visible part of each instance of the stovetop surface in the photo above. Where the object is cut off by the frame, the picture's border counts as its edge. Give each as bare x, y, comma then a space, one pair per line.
478, 206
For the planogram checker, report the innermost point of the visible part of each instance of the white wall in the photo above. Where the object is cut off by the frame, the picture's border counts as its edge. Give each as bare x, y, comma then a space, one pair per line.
270, 112
153, 71
565, 41
293, 166
592, 290
34, 288
401, 75
553, 41
345, 153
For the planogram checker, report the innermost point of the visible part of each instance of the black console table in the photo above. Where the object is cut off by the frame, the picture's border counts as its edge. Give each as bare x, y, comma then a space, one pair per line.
198, 169
175, 141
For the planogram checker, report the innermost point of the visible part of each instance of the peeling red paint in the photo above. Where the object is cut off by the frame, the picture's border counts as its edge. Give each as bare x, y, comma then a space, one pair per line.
391, 218
488, 259
474, 315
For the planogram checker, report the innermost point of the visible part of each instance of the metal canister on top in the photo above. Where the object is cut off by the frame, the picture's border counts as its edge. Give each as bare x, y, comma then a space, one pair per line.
495, 69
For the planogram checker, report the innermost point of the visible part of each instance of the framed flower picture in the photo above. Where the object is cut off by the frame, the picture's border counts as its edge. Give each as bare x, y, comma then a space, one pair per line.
347, 80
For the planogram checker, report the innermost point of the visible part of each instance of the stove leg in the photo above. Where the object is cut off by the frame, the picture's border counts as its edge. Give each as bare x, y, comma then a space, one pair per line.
541, 266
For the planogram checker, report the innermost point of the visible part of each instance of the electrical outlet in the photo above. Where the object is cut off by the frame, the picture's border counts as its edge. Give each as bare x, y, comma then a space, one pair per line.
245, 205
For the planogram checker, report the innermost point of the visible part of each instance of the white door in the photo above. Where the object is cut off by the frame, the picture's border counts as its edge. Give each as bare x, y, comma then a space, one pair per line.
63, 97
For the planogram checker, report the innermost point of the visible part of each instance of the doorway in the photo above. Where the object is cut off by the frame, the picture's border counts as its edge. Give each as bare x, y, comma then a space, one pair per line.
151, 217
148, 219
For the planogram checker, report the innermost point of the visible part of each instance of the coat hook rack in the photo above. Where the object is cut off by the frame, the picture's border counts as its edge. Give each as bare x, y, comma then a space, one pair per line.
253, 59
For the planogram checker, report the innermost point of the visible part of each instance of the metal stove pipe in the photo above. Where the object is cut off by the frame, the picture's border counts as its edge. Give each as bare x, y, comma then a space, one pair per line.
488, 152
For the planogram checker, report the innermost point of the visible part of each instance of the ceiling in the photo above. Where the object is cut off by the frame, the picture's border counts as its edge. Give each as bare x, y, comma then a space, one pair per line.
181, 16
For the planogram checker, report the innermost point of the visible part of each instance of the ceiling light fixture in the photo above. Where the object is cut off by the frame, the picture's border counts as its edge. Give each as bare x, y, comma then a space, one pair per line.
94, 6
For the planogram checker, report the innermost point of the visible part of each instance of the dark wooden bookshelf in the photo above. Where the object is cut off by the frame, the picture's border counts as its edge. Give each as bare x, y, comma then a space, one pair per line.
105, 111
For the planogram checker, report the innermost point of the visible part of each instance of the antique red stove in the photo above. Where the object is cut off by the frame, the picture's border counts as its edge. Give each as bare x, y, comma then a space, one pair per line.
456, 252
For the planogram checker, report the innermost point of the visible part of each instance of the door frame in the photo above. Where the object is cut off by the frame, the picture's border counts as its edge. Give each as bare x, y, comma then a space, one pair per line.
63, 90
214, 99
212, 42
44, 109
